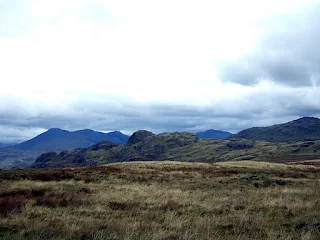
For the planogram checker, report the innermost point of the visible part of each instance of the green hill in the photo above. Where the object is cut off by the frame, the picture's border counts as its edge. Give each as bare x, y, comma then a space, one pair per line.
146, 146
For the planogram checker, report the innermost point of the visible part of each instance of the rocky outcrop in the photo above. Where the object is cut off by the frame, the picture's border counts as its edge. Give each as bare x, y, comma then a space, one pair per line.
139, 136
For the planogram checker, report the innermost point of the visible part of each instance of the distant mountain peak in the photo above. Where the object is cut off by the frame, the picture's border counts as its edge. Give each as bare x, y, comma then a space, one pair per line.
56, 139
305, 128
139, 136
57, 130
211, 133
304, 119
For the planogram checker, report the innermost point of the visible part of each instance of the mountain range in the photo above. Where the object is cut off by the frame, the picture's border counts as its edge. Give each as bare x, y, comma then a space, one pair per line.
179, 146
56, 139
294, 138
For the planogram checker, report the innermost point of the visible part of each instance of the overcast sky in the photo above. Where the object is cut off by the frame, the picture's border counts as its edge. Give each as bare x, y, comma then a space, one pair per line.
156, 65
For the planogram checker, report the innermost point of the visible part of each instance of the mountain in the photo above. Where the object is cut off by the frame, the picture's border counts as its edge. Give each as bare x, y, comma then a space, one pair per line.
213, 134
303, 129
115, 137
56, 139
146, 146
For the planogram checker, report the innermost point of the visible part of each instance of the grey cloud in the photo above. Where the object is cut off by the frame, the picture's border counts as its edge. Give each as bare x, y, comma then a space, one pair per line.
256, 109
16, 134
289, 54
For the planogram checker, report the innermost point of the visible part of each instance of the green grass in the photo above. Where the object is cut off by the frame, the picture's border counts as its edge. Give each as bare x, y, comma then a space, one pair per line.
163, 200
187, 148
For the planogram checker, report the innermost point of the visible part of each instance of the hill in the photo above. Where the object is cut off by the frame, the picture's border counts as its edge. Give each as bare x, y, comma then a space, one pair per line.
56, 139
213, 134
303, 129
163, 201
146, 146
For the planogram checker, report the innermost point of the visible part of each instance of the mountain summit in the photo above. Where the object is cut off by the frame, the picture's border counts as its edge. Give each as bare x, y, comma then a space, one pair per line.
213, 134
302, 129
56, 139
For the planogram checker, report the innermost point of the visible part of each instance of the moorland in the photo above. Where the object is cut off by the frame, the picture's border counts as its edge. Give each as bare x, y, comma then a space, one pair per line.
163, 200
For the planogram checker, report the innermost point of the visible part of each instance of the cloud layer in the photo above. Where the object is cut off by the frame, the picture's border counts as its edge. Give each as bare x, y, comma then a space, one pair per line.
166, 66
288, 54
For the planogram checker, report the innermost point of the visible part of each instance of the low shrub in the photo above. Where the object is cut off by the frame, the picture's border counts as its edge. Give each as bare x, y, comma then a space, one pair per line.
11, 204
123, 206
60, 200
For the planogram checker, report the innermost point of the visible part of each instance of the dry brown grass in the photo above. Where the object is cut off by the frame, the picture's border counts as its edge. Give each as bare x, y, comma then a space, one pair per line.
163, 200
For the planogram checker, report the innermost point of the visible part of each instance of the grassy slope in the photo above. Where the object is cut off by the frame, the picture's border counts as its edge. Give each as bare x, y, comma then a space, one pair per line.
163, 200
184, 147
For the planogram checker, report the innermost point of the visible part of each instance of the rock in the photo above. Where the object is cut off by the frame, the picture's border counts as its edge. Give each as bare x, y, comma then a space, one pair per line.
105, 145
139, 136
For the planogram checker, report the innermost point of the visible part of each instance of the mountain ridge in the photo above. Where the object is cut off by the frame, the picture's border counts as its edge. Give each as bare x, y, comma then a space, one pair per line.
56, 139
211, 133
293, 139
302, 129
180, 147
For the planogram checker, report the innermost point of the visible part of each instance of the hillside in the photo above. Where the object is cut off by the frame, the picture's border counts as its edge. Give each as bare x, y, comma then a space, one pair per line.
213, 134
56, 139
303, 129
163, 201
94, 136
24, 154
146, 146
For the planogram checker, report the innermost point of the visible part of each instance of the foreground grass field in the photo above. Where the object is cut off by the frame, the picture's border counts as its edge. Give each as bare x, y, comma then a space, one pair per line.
163, 200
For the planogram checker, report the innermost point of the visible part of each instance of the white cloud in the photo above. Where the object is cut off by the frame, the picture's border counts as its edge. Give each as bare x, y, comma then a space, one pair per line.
57, 54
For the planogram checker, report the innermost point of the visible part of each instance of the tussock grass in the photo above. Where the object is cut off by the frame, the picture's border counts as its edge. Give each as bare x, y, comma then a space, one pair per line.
163, 200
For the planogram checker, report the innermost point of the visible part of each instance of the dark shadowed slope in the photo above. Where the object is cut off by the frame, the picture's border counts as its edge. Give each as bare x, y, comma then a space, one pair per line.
303, 129
115, 137
56, 139
213, 134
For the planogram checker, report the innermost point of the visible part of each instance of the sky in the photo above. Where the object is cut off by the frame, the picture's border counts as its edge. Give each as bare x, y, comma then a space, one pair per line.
157, 65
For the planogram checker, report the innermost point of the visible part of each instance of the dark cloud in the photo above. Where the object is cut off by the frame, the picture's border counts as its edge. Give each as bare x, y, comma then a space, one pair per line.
260, 108
289, 53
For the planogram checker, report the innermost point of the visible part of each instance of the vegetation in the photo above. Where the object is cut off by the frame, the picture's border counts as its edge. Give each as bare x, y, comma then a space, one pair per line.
163, 200
24, 154
303, 129
145, 146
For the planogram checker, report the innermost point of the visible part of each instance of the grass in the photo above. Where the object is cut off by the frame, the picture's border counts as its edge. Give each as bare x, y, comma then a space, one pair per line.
183, 147
163, 200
